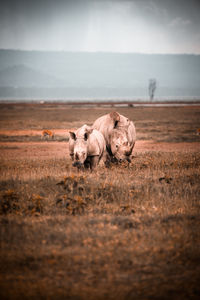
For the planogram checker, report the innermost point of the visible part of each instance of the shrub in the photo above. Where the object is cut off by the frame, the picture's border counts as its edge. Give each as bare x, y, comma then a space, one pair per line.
9, 202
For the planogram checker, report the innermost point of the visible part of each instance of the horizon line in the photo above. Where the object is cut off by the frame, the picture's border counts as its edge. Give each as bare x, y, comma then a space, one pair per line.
98, 52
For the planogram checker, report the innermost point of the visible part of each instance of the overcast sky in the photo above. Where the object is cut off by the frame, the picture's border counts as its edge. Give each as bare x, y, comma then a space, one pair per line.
146, 26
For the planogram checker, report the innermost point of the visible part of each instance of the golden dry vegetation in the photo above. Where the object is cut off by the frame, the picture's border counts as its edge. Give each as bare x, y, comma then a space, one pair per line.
125, 232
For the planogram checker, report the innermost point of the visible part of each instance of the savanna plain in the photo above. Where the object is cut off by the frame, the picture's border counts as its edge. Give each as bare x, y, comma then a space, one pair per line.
131, 231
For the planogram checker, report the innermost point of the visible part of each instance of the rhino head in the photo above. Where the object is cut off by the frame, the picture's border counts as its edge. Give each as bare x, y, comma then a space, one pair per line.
120, 146
80, 139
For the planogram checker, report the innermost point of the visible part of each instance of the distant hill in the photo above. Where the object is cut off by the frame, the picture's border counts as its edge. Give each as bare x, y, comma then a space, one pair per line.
81, 74
23, 76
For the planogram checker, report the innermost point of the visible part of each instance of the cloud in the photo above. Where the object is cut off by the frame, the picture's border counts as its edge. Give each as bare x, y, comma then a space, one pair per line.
100, 25
179, 22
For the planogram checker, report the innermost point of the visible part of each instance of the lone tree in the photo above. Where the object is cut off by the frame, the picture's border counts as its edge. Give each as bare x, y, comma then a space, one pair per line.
152, 88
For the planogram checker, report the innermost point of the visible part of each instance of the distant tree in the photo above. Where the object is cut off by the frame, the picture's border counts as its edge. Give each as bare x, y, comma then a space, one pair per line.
152, 88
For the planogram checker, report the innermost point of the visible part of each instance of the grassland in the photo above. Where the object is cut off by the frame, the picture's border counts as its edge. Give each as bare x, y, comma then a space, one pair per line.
127, 232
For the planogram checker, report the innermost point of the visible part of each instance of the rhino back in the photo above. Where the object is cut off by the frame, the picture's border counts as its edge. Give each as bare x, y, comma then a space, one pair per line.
104, 124
101, 124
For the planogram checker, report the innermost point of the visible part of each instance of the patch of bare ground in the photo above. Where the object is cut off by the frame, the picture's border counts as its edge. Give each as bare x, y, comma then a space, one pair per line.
127, 232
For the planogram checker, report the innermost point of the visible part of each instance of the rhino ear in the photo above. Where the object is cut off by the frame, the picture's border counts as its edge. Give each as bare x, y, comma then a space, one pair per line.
115, 124
87, 133
72, 135
115, 117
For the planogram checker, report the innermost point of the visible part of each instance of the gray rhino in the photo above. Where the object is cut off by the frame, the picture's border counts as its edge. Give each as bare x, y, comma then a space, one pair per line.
87, 146
119, 133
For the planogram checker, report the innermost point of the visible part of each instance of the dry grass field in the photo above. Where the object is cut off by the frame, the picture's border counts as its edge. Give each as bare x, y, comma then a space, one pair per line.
125, 232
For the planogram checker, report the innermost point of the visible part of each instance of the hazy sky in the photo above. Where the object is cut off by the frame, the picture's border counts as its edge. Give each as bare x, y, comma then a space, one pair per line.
147, 26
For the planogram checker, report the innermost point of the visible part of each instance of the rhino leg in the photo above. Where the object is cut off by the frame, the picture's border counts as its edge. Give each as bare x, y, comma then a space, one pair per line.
87, 163
107, 160
107, 157
94, 160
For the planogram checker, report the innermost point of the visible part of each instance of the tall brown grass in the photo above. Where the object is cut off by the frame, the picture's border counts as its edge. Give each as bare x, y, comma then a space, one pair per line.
127, 232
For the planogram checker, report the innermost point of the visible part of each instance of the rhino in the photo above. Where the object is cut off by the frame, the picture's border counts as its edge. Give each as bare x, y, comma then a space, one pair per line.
119, 133
87, 147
